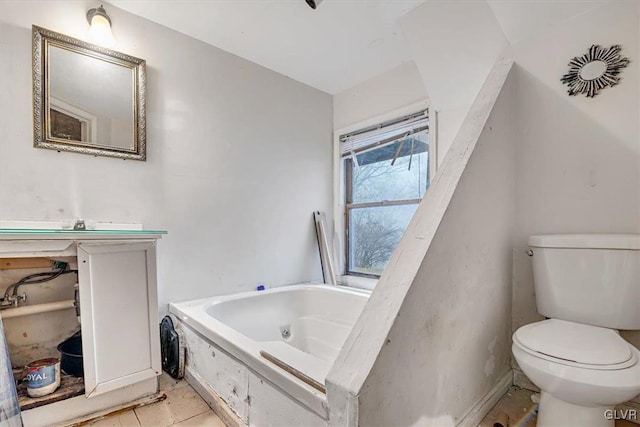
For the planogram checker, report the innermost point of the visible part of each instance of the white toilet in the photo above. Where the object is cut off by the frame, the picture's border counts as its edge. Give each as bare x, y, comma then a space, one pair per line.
588, 286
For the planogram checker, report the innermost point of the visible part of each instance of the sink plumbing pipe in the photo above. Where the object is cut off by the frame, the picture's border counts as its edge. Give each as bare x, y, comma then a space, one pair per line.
37, 308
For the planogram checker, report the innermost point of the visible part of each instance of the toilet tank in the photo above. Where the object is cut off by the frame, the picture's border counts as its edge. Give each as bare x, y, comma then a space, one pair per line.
592, 279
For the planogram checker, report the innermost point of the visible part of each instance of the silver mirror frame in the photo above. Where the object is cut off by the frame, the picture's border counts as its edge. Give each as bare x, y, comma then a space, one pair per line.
41, 37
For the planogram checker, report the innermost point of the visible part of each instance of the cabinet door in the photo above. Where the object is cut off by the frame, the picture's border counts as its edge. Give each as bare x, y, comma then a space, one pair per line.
119, 314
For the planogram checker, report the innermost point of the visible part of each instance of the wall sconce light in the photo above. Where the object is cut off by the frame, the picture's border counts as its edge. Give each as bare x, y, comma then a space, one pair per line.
100, 27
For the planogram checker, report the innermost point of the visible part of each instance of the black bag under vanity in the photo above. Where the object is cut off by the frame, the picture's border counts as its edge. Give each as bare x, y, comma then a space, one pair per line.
171, 348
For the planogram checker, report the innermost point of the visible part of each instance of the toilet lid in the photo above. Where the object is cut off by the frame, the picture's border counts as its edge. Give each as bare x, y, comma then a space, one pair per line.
574, 342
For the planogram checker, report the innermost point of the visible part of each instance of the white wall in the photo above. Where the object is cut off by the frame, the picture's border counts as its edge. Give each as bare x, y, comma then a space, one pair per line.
397, 88
464, 231
578, 163
238, 157
451, 342
576, 154
576, 169
454, 45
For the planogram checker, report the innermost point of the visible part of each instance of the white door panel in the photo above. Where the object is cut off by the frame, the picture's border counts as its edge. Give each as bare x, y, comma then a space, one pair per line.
119, 314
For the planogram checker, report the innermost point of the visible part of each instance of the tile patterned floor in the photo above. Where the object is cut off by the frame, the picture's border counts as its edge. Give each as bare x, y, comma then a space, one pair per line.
183, 407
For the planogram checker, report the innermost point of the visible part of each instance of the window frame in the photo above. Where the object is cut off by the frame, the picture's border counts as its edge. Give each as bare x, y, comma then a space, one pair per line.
342, 204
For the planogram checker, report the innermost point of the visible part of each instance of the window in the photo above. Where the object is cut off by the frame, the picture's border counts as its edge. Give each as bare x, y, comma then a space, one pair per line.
386, 170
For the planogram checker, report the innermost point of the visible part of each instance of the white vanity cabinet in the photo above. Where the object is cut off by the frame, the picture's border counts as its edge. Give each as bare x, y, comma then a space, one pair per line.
118, 314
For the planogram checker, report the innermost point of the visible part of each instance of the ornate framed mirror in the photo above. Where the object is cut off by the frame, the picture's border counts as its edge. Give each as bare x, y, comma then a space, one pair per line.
87, 99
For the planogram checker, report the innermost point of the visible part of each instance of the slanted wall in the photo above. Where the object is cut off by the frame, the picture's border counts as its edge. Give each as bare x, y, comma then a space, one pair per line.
450, 343
434, 339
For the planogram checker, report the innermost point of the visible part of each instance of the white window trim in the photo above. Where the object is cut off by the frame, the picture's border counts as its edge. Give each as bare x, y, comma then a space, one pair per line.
89, 121
338, 180
359, 282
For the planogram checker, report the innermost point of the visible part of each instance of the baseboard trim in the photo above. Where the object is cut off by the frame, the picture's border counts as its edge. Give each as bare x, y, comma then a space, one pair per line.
219, 406
475, 415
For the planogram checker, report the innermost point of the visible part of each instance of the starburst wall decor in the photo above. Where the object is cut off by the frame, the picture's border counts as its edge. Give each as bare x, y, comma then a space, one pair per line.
595, 70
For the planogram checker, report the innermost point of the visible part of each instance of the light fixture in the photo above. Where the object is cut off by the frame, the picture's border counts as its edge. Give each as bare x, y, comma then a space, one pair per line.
100, 30
313, 3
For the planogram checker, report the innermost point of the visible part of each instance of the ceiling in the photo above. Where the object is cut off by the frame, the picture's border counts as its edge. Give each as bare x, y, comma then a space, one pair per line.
340, 44
520, 19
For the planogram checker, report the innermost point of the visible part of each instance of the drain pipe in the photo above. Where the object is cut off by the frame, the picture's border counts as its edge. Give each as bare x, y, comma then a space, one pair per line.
8, 313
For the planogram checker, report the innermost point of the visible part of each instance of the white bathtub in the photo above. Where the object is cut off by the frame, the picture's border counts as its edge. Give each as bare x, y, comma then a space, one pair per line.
304, 326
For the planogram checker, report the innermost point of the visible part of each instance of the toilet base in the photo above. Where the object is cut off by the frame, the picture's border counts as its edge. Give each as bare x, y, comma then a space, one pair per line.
558, 413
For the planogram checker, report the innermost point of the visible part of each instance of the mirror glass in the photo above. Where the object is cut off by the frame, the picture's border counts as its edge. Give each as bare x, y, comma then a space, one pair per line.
87, 98
90, 100
592, 70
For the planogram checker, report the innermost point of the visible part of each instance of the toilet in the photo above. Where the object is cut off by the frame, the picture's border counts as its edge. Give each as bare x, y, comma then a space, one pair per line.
588, 287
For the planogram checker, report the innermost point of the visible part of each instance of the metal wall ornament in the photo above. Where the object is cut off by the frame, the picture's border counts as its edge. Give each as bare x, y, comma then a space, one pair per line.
595, 70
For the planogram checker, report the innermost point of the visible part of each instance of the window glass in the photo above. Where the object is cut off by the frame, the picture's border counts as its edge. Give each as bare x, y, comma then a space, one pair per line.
376, 179
374, 234
384, 185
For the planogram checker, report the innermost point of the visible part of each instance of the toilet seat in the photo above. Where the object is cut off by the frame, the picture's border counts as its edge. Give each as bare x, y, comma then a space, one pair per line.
577, 345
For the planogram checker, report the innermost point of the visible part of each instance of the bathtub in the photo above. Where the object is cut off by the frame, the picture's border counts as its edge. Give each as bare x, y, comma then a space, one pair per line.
289, 336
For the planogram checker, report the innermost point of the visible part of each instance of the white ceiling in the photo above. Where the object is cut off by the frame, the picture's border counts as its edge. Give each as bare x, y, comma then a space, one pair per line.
520, 19
338, 45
